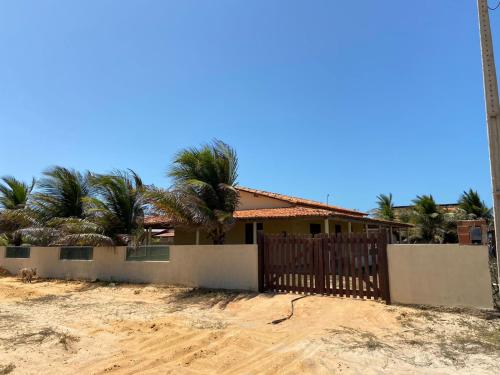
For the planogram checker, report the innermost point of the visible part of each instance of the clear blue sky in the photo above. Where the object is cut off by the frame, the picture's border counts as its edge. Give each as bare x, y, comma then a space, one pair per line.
350, 98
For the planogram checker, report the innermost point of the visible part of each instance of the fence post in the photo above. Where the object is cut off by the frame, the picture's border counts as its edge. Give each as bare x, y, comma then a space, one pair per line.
385, 266
260, 260
319, 273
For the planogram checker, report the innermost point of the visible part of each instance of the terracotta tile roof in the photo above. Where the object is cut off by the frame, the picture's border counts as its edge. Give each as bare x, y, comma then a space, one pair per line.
301, 201
286, 212
304, 212
157, 220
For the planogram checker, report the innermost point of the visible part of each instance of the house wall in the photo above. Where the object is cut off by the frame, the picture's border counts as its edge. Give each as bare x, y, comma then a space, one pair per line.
222, 266
441, 275
250, 201
237, 234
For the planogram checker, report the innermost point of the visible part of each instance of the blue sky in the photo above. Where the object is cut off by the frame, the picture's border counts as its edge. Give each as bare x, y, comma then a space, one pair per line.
347, 98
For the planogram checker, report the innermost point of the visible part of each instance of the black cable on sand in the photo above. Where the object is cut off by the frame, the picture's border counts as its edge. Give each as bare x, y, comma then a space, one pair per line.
278, 321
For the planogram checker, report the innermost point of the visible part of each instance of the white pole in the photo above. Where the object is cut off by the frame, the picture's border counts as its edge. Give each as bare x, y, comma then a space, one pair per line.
327, 226
492, 115
197, 236
254, 232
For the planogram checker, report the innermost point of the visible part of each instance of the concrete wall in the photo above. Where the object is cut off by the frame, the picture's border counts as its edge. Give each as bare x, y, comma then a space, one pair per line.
440, 275
209, 266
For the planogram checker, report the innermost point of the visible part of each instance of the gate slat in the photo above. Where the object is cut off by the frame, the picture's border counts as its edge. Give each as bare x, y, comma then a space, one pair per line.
352, 287
361, 278
366, 261
342, 265
333, 264
354, 276
375, 261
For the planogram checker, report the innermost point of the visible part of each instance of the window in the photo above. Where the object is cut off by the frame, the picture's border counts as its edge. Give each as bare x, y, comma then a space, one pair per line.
314, 228
338, 228
476, 237
17, 252
148, 253
76, 253
249, 232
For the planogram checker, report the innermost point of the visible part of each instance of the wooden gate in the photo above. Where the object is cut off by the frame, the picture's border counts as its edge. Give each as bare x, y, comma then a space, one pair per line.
348, 265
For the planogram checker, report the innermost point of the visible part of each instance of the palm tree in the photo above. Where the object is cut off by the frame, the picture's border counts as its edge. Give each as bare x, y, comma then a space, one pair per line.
204, 192
14, 194
429, 219
62, 232
385, 209
120, 205
62, 194
471, 203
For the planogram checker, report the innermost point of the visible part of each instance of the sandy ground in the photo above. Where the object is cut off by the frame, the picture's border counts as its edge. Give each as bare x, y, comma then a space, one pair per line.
59, 327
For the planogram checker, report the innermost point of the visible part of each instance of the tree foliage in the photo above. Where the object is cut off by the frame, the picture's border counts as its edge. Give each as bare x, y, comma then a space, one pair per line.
385, 209
120, 203
204, 192
14, 194
471, 203
62, 193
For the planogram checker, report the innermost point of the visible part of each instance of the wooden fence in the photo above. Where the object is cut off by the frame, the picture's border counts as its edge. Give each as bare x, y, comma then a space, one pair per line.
348, 265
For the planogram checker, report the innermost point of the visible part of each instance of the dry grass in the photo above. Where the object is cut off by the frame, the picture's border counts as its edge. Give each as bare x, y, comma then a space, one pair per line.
7, 369
43, 335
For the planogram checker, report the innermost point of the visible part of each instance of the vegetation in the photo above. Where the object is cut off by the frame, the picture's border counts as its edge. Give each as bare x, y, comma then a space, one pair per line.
71, 208
203, 194
120, 205
472, 204
432, 224
62, 194
14, 194
385, 209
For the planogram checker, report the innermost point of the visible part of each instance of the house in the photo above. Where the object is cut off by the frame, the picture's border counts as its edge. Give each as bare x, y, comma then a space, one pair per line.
275, 213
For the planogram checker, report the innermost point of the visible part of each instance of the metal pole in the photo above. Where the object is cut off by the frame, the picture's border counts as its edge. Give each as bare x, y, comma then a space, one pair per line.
492, 114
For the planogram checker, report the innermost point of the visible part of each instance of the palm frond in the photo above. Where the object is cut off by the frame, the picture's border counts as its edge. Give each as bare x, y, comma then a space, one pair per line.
15, 194
62, 193
83, 239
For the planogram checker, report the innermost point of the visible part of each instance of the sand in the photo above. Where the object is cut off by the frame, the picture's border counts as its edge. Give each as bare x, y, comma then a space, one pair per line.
59, 327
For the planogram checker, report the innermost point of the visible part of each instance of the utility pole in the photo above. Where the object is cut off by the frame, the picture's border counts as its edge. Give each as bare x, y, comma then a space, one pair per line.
492, 115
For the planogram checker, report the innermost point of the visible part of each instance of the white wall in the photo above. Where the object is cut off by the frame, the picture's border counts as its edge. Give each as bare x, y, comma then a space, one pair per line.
441, 275
208, 266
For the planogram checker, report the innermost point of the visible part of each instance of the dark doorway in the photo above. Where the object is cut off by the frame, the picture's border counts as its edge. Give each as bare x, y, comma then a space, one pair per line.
314, 229
249, 232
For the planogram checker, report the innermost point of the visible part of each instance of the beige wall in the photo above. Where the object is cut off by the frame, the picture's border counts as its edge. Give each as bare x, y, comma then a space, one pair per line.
250, 201
225, 267
441, 275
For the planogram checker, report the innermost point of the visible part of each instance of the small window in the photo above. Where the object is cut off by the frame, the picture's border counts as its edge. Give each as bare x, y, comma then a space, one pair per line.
17, 252
148, 253
338, 228
476, 236
76, 253
314, 228
260, 226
